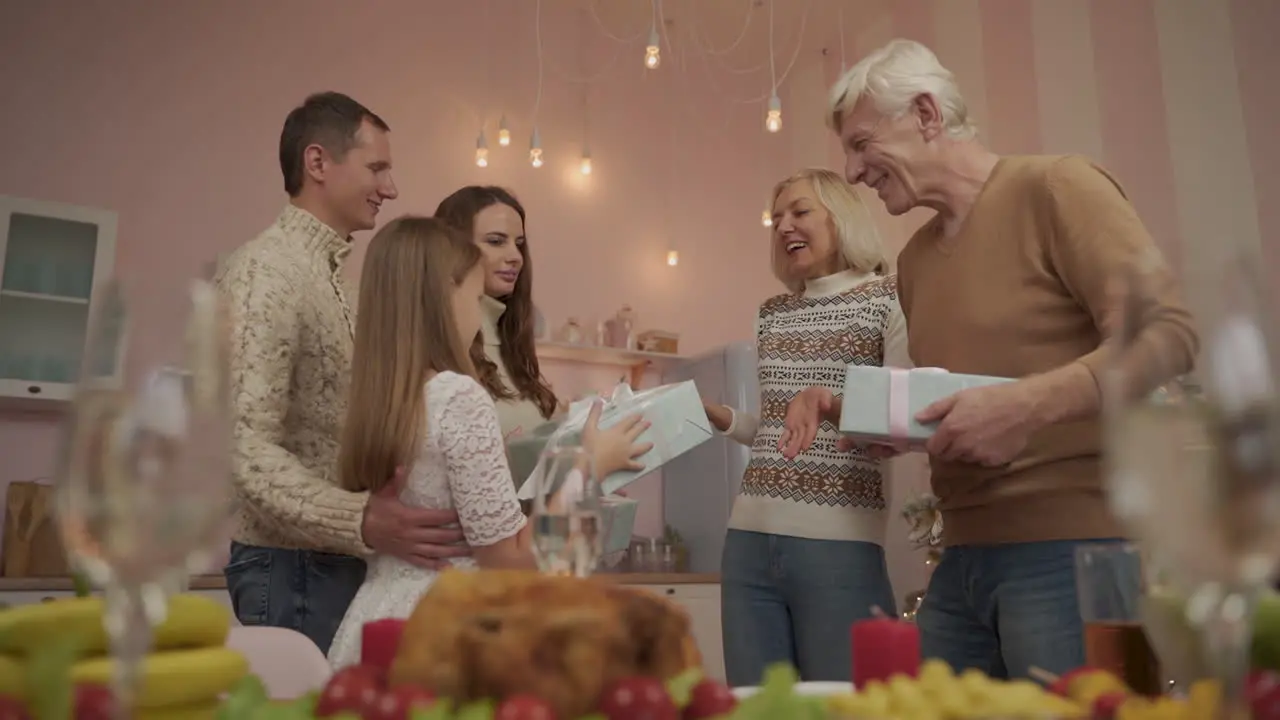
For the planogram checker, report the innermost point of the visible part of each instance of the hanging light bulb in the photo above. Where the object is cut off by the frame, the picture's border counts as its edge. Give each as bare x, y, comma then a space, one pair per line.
535, 150
766, 218
651, 57
504, 132
673, 258
482, 150
773, 120
585, 165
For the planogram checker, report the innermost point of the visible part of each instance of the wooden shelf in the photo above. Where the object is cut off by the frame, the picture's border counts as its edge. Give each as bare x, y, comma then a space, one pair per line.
42, 296
637, 361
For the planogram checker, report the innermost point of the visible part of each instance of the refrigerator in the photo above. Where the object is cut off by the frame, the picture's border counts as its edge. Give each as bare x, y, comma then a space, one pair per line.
699, 486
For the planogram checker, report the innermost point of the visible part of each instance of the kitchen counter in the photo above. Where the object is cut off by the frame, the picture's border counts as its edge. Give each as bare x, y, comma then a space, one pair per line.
217, 582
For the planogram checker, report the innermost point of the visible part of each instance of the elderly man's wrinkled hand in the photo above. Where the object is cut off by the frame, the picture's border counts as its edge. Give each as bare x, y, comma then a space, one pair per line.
987, 426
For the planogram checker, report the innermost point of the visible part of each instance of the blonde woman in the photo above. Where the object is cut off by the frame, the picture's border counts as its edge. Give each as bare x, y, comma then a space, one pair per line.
415, 404
804, 556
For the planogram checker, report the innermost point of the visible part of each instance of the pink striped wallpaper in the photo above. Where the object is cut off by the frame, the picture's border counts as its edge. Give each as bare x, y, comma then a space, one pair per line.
1174, 97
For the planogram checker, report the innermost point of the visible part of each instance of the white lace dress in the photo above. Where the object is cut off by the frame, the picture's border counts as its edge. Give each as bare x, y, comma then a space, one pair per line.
461, 465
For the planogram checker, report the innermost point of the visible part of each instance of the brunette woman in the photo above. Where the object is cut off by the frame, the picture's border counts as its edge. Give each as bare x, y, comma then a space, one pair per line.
504, 354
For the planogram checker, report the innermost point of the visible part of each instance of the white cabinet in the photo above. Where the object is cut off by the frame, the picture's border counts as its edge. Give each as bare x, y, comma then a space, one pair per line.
52, 259
702, 603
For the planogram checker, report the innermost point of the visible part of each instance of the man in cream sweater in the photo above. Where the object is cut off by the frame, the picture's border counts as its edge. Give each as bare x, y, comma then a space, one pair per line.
297, 555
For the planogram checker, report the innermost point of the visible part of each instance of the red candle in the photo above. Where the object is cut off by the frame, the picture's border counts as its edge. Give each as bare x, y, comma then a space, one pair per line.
379, 641
883, 647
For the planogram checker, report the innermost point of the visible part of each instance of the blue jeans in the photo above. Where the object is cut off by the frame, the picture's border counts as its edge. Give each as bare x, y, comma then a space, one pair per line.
1006, 608
301, 590
789, 599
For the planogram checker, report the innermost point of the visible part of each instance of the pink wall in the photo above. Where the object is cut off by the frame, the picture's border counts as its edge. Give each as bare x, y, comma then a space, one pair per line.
169, 113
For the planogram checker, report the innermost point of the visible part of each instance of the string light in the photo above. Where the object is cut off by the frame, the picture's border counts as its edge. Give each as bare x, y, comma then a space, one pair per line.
652, 58
766, 218
673, 258
773, 119
535, 142
504, 132
585, 165
535, 149
482, 150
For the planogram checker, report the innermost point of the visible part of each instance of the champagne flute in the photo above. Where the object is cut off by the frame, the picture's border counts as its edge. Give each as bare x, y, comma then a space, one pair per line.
1192, 467
568, 535
145, 488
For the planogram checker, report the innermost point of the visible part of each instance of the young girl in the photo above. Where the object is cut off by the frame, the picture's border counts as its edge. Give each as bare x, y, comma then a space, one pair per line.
415, 404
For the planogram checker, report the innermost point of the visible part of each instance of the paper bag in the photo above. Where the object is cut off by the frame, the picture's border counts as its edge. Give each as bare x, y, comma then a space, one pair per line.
32, 545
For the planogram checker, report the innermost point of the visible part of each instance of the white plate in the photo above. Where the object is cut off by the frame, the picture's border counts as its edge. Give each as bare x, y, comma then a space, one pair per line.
820, 689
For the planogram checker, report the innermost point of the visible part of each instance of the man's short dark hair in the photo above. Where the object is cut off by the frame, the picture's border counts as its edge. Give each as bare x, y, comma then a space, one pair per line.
328, 119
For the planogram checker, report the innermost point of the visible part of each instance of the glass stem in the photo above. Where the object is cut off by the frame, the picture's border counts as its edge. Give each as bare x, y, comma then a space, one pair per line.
1228, 638
129, 628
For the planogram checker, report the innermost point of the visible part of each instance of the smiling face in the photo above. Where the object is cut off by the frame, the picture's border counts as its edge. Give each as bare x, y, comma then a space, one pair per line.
880, 153
805, 246
500, 234
355, 186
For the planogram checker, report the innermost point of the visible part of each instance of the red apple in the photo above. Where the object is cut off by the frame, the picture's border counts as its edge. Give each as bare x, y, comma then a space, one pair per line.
352, 689
710, 699
93, 702
638, 698
13, 709
1107, 705
524, 707
1263, 690
398, 703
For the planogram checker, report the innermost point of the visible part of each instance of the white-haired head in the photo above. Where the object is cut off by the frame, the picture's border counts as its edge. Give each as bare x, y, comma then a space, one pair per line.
892, 78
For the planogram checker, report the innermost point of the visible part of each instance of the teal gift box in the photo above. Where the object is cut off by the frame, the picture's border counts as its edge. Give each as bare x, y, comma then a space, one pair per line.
524, 450
618, 516
677, 420
880, 404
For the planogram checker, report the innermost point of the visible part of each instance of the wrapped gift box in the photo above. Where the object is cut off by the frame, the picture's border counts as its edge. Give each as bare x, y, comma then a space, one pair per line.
678, 424
880, 404
524, 450
619, 521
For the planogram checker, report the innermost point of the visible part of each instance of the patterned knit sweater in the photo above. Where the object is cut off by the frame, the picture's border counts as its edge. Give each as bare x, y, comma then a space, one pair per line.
805, 340
290, 366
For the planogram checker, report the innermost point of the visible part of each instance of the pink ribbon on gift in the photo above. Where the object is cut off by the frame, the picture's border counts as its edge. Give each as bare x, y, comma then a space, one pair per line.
900, 403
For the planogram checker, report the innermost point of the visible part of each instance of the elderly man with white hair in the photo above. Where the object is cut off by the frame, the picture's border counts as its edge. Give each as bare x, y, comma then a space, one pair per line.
1010, 278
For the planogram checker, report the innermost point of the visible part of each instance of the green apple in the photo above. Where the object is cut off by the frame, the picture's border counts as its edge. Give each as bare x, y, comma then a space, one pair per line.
1266, 633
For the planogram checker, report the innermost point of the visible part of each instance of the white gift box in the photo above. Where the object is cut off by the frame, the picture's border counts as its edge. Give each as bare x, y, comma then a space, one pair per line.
880, 404
677, 420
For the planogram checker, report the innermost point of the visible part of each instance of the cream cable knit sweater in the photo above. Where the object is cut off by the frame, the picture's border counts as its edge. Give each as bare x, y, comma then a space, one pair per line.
290, 366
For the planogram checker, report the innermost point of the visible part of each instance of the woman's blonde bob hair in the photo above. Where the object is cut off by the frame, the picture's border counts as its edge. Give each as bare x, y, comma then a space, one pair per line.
857, 239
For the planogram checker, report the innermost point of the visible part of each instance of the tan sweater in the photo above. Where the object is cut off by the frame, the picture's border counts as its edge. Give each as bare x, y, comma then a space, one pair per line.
516, 413
1022, 290
290, 367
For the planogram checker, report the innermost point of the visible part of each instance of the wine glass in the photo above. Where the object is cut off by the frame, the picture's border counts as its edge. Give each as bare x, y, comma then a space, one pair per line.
1192, 464
568, 533
144, 494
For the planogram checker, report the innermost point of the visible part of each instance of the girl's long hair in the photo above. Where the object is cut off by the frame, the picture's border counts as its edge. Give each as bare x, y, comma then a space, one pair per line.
405, 331
516, 326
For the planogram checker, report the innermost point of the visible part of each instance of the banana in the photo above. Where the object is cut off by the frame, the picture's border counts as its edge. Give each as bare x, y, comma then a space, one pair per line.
192, 621
174, 677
